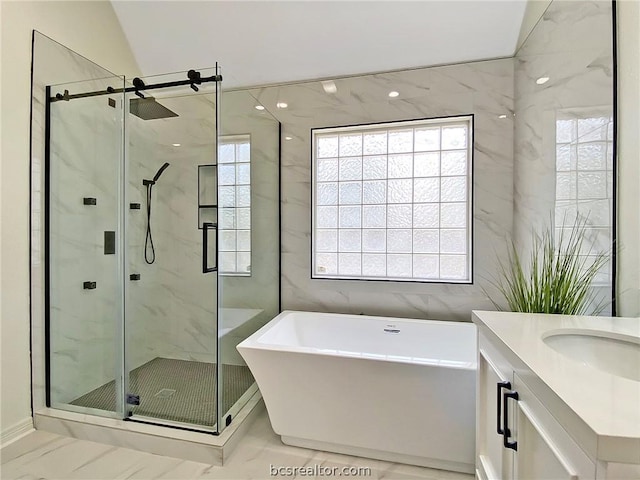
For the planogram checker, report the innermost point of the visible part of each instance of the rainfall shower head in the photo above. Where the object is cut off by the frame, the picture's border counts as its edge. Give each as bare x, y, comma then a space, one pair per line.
149, 109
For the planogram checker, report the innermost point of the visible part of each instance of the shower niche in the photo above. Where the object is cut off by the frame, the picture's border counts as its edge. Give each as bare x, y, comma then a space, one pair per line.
193, 262
207, 197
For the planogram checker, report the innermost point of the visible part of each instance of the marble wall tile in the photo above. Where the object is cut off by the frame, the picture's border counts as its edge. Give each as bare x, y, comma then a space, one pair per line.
178, 310
260, 290
85, 144
570, 26
54, 64
572, 45
171, 310
484, 89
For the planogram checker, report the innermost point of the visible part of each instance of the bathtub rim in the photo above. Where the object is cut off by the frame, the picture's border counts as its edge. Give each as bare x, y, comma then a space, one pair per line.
252, 342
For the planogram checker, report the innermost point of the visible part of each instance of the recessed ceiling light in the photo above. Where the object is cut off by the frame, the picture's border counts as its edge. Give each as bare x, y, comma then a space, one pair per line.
502, 116
175, 144
329, 86
282, 105
259, 107
542, 80
288, 138
394, 94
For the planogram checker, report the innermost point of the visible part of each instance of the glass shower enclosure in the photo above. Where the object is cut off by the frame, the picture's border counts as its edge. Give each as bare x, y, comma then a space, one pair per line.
161, 226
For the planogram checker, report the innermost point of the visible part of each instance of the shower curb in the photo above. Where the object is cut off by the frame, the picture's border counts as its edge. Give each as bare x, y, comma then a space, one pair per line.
172, 442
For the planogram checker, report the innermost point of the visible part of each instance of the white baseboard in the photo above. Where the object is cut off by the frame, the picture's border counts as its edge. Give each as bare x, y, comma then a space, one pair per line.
16, 431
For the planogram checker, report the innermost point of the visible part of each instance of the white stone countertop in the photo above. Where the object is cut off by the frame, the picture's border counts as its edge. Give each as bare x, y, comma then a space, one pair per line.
608, 404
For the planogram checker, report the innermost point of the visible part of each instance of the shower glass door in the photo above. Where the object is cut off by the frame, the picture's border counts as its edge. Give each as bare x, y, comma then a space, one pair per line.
171, 295
249, 250
83, 250
162, 245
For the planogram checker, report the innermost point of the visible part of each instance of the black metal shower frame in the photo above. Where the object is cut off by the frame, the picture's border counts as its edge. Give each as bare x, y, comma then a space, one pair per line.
60, 97
49, 99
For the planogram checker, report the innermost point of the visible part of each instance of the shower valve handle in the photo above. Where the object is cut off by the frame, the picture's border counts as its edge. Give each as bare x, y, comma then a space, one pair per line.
206, 226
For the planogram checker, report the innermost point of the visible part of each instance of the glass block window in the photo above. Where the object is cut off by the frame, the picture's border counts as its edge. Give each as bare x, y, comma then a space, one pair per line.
393, 201
234, 205
584, 180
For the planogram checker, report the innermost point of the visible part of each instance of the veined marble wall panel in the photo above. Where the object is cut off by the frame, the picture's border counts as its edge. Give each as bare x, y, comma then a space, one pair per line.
85, 155
80, 357
261, 289
484, 89
172, 309
146, 309
572, 46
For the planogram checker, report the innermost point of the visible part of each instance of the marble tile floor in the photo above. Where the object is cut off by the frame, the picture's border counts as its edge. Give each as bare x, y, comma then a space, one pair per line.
43, 455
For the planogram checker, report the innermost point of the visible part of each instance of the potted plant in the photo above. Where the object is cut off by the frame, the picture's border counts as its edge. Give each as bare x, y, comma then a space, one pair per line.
556, 278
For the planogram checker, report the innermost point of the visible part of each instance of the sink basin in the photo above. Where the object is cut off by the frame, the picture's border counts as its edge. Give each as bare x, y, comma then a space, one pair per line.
613, 353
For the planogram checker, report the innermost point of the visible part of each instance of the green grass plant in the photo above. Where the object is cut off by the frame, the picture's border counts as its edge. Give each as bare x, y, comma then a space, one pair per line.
557, 277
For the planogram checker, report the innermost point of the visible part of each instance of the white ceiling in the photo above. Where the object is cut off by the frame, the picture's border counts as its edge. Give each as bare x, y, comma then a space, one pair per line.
263, 42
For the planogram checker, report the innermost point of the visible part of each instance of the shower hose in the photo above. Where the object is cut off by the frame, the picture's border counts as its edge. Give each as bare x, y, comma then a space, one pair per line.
149, 253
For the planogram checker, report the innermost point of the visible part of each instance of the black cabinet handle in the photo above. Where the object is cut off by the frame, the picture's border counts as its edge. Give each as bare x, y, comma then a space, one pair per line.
507, 433
206, 226
499, 420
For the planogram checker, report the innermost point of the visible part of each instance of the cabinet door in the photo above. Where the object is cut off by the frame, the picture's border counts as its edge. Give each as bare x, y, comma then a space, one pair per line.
545, 450
493, 461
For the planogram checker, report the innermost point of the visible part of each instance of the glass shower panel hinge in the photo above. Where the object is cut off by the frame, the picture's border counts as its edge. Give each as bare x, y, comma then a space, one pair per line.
133, 399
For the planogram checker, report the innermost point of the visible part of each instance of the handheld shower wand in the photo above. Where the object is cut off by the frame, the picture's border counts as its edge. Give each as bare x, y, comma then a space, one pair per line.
150, 255
156, 176
159, 172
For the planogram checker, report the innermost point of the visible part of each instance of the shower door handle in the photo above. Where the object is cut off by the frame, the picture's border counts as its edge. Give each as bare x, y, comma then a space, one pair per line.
206, 227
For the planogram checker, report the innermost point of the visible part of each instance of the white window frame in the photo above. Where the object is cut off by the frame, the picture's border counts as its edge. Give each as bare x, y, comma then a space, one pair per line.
419, 123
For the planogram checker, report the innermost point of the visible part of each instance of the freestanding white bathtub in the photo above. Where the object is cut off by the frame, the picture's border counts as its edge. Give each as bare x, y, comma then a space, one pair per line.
387, 388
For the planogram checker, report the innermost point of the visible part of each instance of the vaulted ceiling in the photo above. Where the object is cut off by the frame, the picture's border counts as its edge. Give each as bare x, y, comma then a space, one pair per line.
263, 42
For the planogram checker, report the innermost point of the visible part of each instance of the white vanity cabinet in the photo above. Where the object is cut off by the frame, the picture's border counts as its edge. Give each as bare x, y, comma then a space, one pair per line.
517, 437
544, 449
493, 460
543, 416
